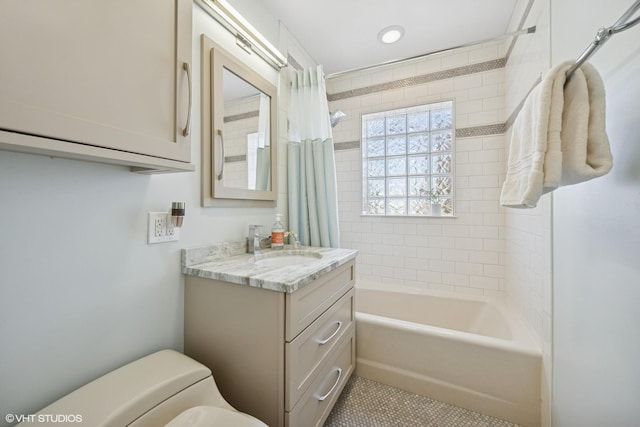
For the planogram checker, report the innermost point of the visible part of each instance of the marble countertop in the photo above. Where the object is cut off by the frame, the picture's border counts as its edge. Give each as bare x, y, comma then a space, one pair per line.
228, 262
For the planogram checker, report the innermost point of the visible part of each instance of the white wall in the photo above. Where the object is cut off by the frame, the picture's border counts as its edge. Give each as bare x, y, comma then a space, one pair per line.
81, 292
596, 327
259, 17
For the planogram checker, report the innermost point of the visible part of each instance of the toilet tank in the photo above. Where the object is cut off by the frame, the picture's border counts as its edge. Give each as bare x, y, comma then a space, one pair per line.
147, 392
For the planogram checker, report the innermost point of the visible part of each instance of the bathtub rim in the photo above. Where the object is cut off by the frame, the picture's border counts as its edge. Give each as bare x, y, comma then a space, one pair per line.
523, 341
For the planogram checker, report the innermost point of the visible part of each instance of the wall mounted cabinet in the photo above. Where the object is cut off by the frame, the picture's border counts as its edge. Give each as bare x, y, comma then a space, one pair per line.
106, 81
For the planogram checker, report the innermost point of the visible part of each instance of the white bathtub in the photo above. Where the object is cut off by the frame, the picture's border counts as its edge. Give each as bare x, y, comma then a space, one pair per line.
472, 352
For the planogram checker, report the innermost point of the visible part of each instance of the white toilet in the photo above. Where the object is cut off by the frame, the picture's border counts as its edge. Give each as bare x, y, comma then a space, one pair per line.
164, 388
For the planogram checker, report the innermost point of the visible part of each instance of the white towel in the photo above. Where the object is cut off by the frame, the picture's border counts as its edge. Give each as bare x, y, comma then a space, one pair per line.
559, 137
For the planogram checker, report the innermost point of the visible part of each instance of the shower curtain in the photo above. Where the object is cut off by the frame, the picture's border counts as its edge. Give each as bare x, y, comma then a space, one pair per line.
313, 196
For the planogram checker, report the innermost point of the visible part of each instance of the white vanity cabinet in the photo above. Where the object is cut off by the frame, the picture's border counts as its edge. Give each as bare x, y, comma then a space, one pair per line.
281, 357
105, 81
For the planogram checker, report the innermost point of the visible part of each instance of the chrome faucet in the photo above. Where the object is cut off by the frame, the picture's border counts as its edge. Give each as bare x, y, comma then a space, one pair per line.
294, 236
254, 238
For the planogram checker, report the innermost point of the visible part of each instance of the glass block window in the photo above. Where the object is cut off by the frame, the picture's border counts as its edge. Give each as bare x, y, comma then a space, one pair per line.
407, 160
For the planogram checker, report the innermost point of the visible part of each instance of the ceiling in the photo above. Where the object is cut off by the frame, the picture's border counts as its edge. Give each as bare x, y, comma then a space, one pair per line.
342, 35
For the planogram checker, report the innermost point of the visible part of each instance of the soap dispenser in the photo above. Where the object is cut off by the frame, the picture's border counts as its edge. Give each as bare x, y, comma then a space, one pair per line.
277, 234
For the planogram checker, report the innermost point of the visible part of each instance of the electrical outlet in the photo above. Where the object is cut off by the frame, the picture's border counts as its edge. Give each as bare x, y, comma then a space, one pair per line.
160, 227
160, 230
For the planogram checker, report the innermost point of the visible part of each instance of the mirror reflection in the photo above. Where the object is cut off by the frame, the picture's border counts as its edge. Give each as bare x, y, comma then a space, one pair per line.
239, 131
246, 135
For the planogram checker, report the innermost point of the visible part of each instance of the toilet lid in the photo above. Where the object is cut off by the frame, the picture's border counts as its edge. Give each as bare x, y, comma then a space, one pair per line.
207, 416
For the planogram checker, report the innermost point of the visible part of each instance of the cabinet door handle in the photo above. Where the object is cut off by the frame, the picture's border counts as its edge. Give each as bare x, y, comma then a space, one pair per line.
219, 176
323, 397
326, 340
187, 129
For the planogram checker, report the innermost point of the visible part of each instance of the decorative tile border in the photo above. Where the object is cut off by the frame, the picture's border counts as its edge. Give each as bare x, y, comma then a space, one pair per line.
233, 159
346, 145
495, 129
470, 132
242, 116
422, 79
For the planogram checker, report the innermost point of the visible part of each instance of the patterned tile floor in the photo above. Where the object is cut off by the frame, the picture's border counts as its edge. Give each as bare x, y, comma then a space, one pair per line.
366, 403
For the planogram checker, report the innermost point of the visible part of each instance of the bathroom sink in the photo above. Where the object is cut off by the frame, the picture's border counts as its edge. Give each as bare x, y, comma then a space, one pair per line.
286, 258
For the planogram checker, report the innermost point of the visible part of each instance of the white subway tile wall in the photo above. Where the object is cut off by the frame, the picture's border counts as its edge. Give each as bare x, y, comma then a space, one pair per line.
528, 231
486, 249
462, 254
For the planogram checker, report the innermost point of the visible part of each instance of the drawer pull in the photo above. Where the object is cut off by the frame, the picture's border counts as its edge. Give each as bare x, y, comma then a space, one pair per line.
323, 342
321, 398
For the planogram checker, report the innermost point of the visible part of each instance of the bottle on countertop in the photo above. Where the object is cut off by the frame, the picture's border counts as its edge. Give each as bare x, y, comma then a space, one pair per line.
277, 234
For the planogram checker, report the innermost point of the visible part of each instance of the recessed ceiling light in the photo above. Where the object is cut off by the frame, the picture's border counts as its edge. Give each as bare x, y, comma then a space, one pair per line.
391, 34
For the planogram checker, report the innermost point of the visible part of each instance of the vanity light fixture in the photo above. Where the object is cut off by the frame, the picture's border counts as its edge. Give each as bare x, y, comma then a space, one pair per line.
391, 34
243, 43
246, 35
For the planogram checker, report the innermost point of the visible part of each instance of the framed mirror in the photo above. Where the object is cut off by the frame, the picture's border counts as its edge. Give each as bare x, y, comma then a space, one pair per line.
239, 138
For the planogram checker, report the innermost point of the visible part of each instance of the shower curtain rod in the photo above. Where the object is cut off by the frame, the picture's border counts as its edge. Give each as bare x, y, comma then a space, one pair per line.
529, 30
603, 34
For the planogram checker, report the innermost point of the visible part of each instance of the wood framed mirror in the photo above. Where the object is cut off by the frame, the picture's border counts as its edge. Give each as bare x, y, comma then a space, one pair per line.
239, 132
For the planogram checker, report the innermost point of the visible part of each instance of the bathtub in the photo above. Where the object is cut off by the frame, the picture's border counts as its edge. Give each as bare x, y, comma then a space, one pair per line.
468, 351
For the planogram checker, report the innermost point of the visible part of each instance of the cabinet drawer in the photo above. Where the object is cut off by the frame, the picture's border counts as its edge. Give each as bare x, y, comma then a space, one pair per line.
318, 400
307, 304
305, 354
